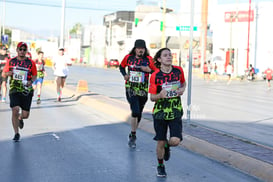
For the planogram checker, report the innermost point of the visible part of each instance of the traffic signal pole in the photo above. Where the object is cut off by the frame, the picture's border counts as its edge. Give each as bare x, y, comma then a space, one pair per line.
163, 37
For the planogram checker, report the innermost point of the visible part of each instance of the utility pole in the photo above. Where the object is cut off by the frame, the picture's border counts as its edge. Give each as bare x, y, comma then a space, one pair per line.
204, 21
256, 33
163, 37
247, 49
62, 25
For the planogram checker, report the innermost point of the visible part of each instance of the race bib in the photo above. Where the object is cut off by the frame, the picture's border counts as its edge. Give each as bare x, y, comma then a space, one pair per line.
19, 75
171, 88
136, 76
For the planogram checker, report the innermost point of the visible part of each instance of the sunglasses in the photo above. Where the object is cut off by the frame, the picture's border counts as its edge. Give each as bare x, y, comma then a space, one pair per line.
22, 50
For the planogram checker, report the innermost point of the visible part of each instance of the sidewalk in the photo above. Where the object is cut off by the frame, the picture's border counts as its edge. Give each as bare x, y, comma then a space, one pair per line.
252, 158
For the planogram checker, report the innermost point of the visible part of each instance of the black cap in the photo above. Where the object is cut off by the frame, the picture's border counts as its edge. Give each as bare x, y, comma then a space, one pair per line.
139, 43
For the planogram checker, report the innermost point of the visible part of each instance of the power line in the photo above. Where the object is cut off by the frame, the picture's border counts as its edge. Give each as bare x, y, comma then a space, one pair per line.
58, 6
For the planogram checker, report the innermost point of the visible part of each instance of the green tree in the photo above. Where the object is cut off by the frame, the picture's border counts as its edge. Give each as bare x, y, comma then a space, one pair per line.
76, 30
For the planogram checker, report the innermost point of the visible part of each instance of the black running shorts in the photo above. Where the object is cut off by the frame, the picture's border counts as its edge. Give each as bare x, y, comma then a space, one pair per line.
161, 128
19, 99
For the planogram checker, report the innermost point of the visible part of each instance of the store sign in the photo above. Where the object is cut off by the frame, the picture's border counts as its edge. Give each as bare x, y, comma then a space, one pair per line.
185, 28
239, 16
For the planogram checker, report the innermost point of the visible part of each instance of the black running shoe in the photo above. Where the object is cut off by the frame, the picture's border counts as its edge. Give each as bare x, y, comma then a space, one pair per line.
59, 99
16, 137
38, 101
132, 141
167, 153
161, 171
21, 124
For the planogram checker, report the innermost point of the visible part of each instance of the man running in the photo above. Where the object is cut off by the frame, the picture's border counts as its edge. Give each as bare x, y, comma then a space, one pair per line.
140, 65
4, 57
268, 72
23, 73
40, 65
167, 84
60, 67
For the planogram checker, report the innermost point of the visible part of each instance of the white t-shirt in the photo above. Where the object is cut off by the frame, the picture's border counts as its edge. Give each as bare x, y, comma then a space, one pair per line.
61, 68
229, 69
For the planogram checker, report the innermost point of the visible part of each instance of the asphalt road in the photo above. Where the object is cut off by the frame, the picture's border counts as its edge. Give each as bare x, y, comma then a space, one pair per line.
242, 108
68, 141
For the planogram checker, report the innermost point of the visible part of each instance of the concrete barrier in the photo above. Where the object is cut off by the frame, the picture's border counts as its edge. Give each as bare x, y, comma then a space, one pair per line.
82, 86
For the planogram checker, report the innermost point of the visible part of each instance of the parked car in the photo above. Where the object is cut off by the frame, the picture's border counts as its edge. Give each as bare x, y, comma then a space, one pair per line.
113, 63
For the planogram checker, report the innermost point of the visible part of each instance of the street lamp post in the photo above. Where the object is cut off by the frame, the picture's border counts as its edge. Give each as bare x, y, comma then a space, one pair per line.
190, 66
62, 25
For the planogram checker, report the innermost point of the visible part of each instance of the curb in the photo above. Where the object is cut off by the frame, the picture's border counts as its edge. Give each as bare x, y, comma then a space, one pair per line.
121, 111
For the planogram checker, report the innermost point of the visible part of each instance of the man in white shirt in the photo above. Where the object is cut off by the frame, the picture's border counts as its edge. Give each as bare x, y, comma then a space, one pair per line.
60, 67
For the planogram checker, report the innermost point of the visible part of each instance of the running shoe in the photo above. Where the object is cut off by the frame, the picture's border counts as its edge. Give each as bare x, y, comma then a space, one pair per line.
161, 171
132, 141
38, 101
167, 153
59, 99
3, 100
21, 124
16, 137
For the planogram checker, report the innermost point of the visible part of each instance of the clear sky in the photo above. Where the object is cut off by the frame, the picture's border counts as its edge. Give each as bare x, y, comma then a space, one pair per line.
44, 16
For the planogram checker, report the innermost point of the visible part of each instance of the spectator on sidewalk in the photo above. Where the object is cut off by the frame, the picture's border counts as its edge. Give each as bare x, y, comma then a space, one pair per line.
140, 65
251, 72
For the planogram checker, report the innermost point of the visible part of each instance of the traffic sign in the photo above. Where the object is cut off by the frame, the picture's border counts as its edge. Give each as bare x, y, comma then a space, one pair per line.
185, 28
5, 39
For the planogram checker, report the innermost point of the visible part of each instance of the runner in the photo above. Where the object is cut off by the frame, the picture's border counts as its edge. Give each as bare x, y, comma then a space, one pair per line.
140, 65
229, 73
22, 72
4, 57
40, 65
60, 67
167, 84
268, 73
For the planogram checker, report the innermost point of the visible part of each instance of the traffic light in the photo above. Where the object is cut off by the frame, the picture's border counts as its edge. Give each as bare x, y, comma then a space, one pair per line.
161, 25
136, 21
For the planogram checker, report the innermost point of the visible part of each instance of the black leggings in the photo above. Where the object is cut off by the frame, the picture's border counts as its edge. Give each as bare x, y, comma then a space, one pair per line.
137, 104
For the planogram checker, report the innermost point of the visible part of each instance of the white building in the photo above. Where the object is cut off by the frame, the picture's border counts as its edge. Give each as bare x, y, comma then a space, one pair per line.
231, 30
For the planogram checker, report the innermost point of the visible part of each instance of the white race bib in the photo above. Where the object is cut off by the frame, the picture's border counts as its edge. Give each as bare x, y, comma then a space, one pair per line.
136, 76
171, 88
19, 75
